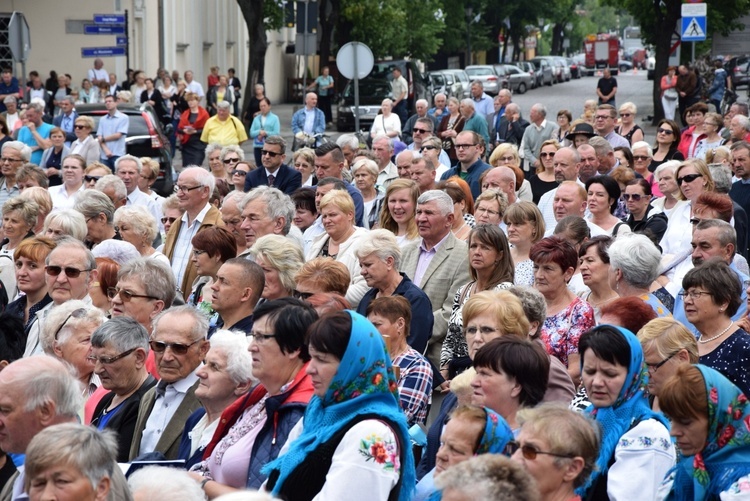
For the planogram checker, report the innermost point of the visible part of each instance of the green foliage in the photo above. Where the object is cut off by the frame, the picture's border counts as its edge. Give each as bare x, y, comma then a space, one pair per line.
273, 15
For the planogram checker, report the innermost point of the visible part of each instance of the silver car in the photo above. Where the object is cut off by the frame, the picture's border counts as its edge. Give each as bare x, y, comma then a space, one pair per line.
485, 73
520, 81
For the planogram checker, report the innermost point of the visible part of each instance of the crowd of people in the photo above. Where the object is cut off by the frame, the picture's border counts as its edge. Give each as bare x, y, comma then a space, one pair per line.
475, 307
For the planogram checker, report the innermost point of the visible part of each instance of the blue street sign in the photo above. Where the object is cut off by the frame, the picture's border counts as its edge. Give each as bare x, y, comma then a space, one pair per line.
693, 29
121, 41
103, 29
102, 51
109, 18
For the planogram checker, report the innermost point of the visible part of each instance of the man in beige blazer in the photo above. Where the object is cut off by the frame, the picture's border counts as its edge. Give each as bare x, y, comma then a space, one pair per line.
438, 262
180, 345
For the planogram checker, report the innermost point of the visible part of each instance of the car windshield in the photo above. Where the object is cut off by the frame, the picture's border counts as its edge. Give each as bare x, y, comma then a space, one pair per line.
369, 87
479, 72
437, 79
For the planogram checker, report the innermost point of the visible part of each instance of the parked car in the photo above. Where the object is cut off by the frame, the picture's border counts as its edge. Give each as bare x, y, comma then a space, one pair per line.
372, 91
545, 67
449, 83
624, 66
520, 81
574, 71
563, 63
529, 68
737, 67
436, 83
485, 73
146, 138
462, 78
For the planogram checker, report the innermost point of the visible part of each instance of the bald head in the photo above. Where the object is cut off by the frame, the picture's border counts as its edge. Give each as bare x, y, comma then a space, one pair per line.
566, 163
589, 162
501, 179
569, 200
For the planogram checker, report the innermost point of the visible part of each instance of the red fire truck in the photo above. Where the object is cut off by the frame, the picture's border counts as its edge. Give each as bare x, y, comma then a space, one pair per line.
602, 51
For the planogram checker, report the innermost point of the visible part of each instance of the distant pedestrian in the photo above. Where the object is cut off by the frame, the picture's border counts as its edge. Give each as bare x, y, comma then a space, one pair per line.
606, 88
323, 86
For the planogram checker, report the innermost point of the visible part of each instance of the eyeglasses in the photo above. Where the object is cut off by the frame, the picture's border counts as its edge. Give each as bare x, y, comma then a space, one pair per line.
186, 189
303, 295
626, 114
109, 360
75, 313
171, 220
198, 252
711, 123
426, 147
694, 220
530, 452
88, 179
259, 337
668, 132
484, 330
482, 210
238, 172
635, 197
464, 146
602, 117
545, 154
228, 161
693, 294
79, 127
271, 154
177, 348
125, 295
421, 131
70, 272
688, 179
640, 158
655, 367
509, 158
6, 159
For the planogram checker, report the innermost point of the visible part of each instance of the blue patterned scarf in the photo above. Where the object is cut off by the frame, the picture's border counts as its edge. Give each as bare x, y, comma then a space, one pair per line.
630, 408
364, 384
726, 456
496, 434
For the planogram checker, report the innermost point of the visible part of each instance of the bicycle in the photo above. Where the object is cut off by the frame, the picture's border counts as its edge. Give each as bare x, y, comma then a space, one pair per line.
308, 141
730, 97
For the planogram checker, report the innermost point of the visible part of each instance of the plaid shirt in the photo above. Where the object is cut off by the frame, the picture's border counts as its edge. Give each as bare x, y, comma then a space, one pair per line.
414, 385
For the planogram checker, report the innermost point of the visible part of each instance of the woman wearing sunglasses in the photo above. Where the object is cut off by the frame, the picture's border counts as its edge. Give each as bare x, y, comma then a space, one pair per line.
229, 157
85, 144
644, 218
693, 178
471, 431
636, 452
712, 125
665, 148
544, 179
558, 447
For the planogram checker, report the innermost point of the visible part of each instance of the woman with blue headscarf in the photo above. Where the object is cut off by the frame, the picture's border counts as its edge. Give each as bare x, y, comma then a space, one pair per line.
353, 441
711, 426
470, 432
636, 452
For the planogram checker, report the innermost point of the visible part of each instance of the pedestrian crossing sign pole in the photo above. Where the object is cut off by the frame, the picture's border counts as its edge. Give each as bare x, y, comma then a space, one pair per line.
693, 24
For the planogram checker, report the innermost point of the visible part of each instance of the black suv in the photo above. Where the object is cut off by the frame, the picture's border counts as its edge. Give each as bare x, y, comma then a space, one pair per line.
737, 67
146, 138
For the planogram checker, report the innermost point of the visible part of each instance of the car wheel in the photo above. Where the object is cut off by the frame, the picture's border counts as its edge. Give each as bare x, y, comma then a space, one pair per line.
551, 81
522, 88
623, 68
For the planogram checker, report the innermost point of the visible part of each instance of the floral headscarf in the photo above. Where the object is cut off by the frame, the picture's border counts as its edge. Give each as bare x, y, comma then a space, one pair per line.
363, 384
496, 434
630, 408
726, 456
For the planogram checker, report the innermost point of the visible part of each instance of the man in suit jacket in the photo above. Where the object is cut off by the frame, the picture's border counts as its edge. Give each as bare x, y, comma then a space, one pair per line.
274, 172
511, 128
180, 345
194, 187
438, 262
67, 119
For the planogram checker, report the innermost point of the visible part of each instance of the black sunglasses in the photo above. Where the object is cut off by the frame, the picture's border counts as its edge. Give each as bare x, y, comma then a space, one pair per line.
80, 312
88, 179
421, 131
79, 127
238, 172
177, 348
530, 452
688, 179
271, 154
636, 197
170, 219
125, 295
427, 148
228, 161
69, 271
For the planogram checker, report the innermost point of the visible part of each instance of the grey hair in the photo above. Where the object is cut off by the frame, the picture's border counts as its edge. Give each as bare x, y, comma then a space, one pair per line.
277, 140
156, 483
722, 177
443, 200
423, 102
468, 102
10, 99
122, 334
43, 380
477, 82
383, 244
534, 305
224, 105
156, 277
668, 165
511, 107
277, 204
427, 123
63, 314
601, 146
540, 108
27, 208
213, 147
118, 250
234, 346
72, 222
726, 233
20, 147
405, 153
349, 140
202, 176
283, 255
140, 219
743, 121
643, 145
489, 476
235, 196
172, 202
199, 320
138, 163
383, 137
234, 149
636, 256
370, 166
85, 448
117, 184
36, 106
91, 203
69, 242
69, 99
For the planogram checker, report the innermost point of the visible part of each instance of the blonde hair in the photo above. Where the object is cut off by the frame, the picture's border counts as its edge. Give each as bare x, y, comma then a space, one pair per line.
702, 168
504, 306
283, 255
386, 219
501, 150
666, 336
341, 199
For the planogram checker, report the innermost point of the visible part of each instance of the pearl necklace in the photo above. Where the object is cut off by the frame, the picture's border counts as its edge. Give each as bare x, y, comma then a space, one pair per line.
704, 341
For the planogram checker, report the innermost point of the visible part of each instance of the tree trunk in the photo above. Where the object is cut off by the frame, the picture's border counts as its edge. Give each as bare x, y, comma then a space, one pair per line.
557, 31
665, 22
328, 13
252, 11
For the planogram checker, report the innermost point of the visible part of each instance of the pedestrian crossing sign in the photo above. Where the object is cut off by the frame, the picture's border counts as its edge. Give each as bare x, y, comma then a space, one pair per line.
693, 29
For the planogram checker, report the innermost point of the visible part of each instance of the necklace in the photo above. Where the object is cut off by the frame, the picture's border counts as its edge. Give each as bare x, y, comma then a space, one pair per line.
704, 341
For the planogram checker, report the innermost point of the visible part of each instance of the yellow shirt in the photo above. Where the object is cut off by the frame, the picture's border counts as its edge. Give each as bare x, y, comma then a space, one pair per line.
230, 131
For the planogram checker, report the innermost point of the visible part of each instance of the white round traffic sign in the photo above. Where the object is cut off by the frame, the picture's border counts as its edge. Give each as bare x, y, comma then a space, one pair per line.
345, 60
